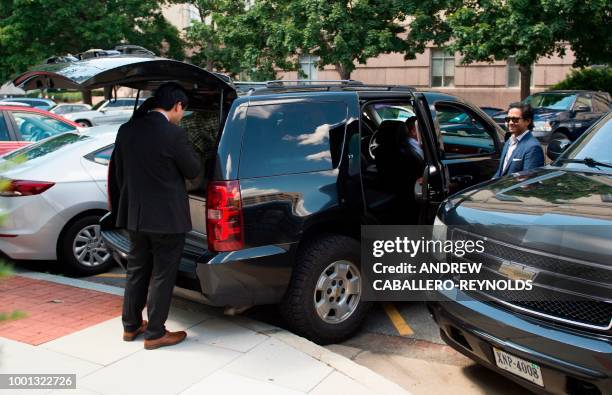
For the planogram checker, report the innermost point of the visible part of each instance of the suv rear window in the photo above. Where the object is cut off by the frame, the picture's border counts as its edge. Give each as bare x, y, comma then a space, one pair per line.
290, 138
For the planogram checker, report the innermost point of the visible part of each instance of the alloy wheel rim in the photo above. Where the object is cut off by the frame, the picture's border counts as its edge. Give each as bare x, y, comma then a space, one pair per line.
337, 292
89, 248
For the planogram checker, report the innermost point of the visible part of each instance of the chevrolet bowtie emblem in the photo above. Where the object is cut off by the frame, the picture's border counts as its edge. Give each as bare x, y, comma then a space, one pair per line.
515, 271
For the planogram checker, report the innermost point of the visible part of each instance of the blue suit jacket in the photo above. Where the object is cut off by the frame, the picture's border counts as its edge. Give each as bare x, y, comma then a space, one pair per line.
527, 155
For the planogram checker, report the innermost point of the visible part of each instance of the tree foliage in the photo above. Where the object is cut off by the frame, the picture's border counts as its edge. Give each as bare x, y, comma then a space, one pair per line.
488, 30
596, 79
273, 34
32, 30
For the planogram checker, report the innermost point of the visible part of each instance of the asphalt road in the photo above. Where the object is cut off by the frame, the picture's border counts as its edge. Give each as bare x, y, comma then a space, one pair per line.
398, 340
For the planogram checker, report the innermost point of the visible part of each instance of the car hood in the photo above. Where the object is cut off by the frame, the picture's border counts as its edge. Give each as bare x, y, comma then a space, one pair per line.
545, 196
561, 212
547, 114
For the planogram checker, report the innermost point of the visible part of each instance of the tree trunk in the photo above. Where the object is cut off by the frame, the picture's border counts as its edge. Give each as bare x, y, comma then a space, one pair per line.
525, 80
86, 94
344, 73
108, 92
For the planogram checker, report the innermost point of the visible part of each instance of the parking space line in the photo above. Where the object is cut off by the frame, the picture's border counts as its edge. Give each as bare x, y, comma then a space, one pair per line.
397, 320
112, 275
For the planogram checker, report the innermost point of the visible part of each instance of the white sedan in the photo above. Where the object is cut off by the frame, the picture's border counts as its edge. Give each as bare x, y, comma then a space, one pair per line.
53, 194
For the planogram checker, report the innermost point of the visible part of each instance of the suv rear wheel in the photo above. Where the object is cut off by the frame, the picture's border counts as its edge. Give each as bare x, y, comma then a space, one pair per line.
323, 302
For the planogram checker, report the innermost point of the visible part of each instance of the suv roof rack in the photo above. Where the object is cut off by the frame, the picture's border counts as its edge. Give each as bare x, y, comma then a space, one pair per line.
324, 85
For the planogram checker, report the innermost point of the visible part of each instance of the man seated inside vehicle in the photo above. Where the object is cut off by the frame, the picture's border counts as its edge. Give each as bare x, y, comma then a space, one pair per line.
412, 150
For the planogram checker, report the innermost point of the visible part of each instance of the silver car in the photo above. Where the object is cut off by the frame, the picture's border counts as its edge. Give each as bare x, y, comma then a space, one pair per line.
53, 195
67, 108
106, 112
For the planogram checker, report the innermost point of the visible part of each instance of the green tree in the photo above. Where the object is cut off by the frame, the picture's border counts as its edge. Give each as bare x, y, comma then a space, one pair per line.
271, 34
488, 30
32, 30
239, 39
342, 33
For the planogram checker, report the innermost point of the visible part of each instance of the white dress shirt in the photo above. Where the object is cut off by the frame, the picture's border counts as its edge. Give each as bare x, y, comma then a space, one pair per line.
162, 113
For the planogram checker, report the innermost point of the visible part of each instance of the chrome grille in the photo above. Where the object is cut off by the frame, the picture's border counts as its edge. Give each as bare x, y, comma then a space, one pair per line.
553, 304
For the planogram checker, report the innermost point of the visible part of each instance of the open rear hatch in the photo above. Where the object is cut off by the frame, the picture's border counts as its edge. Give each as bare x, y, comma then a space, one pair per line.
209, 93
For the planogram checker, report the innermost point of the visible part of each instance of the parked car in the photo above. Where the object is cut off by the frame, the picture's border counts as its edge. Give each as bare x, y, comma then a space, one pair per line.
55, 199
292, 172
22, 125
106, 112
67, 108
42, 104
557, 230
564, 114
491, 111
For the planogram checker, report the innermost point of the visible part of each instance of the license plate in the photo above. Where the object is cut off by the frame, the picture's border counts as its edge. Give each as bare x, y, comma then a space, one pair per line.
518, 366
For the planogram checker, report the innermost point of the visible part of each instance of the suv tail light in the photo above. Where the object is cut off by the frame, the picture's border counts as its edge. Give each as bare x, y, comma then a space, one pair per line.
14, 188
224, 224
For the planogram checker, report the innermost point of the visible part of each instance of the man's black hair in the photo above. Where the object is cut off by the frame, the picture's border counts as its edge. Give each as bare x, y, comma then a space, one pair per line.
170, 93
411, 121
526, 112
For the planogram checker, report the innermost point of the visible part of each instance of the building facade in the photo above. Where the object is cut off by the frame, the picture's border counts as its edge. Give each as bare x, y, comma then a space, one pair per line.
494, 84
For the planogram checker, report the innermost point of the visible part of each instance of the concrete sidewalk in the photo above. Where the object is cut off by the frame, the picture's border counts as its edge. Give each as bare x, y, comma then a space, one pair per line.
228, 355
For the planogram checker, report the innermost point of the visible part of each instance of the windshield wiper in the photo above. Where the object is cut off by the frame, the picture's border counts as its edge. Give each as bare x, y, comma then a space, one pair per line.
590, 162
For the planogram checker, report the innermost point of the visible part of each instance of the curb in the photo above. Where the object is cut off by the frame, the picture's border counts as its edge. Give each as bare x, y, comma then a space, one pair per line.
362, 375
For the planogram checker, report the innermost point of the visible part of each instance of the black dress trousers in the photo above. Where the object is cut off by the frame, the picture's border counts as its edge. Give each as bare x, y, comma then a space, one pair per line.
151, 274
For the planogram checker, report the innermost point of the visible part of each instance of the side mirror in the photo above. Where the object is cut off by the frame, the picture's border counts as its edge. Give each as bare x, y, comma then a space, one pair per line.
557, 147
583, 108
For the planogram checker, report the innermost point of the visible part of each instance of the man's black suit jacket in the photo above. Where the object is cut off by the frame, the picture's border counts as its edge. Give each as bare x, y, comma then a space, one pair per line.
150, 162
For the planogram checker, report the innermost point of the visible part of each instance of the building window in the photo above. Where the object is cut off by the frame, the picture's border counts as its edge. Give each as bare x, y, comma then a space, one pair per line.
514, 75
308, 66
442, 68
192, 14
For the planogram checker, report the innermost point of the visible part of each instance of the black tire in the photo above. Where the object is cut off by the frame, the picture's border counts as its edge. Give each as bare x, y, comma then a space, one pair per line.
66, 254
298, 305
84, 123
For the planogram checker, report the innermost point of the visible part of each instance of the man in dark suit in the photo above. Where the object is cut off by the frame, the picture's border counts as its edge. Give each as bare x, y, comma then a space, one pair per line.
522, 151
151, 160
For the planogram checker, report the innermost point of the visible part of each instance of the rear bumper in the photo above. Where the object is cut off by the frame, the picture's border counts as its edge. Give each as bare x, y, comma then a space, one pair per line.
248, 277
571, 363
30, 228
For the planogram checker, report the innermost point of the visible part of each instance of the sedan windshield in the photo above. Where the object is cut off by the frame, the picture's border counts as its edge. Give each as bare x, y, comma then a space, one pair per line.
592, 150
553, 101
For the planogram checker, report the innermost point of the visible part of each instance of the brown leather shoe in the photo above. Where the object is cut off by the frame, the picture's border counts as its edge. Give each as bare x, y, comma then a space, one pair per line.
129, 336
169, 339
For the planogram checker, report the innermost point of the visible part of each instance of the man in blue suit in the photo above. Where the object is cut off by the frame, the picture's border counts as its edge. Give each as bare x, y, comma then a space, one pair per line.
522, 151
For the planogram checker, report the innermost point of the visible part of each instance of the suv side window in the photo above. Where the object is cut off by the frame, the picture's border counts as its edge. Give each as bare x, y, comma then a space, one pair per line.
463, 133
600, 104
291, 138
583, 100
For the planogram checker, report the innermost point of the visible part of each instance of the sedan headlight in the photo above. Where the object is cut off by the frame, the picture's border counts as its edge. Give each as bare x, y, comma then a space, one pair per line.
542, 126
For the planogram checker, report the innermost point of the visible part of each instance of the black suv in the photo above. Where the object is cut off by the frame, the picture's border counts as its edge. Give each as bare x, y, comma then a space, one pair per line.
292, 171
564, 114
552, 225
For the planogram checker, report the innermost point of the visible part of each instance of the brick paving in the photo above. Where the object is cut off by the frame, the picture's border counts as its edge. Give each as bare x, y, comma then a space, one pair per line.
52, 310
